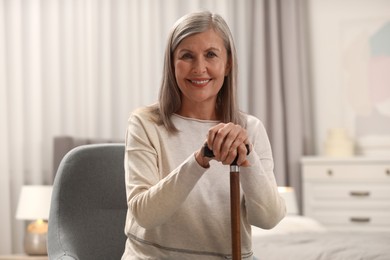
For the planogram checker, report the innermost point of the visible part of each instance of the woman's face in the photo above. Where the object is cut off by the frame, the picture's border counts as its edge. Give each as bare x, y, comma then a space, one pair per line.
201, 64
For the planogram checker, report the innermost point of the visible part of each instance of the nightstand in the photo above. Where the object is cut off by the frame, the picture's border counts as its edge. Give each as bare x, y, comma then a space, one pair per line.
350, 194
23, 257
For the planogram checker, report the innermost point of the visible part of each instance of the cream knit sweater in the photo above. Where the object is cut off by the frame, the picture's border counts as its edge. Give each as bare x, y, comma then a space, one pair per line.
180, 210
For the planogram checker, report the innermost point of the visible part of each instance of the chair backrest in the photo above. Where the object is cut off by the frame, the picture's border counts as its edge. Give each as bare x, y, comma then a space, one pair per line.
88, 207
62, 144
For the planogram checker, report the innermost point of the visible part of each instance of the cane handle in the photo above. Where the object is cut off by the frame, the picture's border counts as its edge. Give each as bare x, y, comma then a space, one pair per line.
207, 152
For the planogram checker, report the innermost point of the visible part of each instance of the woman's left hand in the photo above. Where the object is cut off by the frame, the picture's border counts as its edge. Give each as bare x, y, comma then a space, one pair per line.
227, 141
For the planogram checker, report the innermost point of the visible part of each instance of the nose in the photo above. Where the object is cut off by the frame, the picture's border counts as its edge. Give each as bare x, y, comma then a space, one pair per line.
199, 66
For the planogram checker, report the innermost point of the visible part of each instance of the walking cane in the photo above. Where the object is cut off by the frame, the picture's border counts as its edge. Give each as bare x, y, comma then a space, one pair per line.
234, 203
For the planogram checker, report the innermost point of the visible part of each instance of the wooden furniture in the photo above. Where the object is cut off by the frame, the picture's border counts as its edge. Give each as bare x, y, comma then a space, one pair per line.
348, 194
22, 257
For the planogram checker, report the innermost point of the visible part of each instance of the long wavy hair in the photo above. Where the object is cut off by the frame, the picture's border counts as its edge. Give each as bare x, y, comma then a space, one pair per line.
170, 95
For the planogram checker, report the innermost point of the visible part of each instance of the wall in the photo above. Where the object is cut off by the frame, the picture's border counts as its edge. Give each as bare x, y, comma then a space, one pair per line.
350, 61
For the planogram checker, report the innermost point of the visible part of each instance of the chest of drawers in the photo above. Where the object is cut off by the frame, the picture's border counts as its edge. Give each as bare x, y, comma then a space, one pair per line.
347, 194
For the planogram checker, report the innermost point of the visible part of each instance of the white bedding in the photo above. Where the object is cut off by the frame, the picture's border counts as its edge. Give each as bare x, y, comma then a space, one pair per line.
301, 238
290, 224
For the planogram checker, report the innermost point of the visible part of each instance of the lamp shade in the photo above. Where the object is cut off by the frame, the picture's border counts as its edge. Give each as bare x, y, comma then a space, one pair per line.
288, 194
34, 202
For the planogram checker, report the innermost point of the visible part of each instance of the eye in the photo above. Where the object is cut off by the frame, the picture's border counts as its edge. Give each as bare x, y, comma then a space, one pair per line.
186, 56
211, 54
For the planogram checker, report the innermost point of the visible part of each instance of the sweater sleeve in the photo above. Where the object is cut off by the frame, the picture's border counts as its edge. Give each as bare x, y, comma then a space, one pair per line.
265, 207
152, 199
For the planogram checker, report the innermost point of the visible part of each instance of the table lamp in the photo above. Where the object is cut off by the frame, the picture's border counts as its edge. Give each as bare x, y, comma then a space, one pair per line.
34, 205
288, 194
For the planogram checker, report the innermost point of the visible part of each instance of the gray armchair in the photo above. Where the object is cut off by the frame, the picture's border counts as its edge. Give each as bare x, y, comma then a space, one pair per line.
88, 207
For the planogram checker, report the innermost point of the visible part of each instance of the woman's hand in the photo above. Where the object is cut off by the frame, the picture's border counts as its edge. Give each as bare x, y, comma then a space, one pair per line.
201, 159
227, 141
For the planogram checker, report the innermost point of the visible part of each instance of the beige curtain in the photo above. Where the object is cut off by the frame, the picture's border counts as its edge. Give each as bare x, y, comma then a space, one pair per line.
78, 67
279, 84
74, 67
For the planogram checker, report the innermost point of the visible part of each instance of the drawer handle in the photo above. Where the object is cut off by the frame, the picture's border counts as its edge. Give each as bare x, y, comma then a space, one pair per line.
360, 219
388, 172
360, 193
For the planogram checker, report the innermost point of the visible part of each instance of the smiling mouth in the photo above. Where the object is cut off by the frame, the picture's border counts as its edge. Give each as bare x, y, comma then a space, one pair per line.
200, 83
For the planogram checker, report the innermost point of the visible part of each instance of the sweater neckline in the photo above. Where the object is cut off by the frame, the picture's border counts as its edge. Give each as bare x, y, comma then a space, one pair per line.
195, 119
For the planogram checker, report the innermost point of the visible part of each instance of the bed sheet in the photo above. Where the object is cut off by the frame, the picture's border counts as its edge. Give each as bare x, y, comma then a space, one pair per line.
301, 238
324, 246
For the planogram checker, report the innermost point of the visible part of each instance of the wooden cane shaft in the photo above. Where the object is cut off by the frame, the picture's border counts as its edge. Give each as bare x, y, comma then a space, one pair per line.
235, 214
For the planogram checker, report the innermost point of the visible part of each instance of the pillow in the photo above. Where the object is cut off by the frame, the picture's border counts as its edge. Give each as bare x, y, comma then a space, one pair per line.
291, 224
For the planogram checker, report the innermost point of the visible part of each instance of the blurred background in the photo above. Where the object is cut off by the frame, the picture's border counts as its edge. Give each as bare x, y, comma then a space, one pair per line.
79, 67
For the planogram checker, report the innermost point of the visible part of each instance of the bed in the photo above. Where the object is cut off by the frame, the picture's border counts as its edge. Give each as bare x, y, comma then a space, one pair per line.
302, 238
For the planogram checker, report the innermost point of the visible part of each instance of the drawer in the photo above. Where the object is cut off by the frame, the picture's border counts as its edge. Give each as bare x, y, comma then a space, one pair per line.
312, 205
347, 172
353, 192
353, 218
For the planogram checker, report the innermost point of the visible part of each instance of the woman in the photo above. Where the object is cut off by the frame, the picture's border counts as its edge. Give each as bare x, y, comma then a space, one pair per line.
178, 199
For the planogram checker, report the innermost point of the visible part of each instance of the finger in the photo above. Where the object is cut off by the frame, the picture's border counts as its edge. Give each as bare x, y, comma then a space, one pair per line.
231, 142
242, 153
245, 164
231, 156
212, 134
240, 137
220, 137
